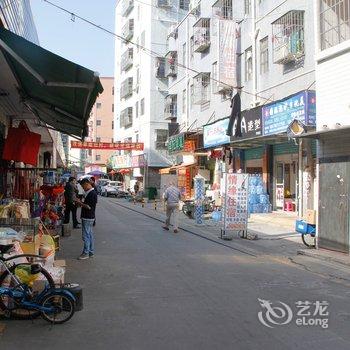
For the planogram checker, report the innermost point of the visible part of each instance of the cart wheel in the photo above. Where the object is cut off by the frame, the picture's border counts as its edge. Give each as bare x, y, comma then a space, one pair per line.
309, 240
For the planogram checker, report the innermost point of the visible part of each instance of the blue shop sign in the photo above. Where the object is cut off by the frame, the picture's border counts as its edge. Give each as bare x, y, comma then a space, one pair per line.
215, 134
277, 116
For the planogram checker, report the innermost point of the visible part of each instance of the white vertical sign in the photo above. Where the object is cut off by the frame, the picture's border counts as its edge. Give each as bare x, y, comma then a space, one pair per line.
227, 62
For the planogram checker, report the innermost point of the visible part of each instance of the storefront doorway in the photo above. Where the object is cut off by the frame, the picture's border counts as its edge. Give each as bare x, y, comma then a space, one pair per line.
286, 185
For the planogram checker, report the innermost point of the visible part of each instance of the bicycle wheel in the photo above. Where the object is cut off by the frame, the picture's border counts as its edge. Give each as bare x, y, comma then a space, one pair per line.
62, 306
11, 306
309, 240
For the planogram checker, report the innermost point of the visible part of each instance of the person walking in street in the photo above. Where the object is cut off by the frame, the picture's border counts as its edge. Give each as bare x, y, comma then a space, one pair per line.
136, 188
70, 196
172, 197
88, 208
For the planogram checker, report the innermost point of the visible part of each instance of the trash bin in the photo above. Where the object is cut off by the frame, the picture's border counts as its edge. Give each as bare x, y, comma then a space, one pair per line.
152, 193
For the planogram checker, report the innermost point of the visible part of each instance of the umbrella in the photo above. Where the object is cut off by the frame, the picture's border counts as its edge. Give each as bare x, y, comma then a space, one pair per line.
96, 173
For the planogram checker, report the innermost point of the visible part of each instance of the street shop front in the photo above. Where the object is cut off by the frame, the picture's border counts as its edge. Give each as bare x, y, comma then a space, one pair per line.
40, 91
286, 167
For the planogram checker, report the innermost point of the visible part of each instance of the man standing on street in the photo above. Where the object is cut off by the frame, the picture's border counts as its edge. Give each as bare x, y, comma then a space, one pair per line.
88, 208
70, 196
172, 196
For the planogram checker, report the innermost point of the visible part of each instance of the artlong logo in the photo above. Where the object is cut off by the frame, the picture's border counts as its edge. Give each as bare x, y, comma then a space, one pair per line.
274, 315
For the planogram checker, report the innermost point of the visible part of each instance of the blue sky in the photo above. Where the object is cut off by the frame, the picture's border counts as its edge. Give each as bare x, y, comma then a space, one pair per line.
78, 41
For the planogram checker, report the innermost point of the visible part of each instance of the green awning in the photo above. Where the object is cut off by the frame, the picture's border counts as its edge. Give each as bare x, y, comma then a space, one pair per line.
59, 92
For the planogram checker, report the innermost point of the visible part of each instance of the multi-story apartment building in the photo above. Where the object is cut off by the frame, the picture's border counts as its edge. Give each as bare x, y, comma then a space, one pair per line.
101, 125
263, 50
140, 84
332, 38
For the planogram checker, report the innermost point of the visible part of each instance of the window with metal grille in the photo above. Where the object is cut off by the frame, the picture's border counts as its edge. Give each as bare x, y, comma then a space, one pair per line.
288, 37
161, 138
98, 122
98, 139
215, 76
201, 84
128, 29
264, 55
170, 110
184, 5
247, 6
223, 9
160, 67
126, 118
137, 109
334, 22
142, 107
201, 34
98, 157
126, 88
248, 63
192, 47
184, 99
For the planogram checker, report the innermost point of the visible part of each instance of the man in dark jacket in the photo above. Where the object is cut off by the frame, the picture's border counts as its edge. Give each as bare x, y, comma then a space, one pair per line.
88, 208
70, 196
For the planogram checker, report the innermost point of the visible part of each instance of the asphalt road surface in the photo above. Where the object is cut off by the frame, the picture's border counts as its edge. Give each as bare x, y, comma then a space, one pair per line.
151, 289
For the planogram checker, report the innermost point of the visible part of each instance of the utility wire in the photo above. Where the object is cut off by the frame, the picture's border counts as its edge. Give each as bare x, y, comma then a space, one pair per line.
151, 52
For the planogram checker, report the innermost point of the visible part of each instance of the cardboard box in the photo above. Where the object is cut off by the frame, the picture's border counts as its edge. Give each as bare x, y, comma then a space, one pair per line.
310, 217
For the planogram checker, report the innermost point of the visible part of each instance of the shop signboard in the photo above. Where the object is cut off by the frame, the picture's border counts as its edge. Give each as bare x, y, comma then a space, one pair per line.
280, 196
126, 146
251, 124
120, 162
277, 116
138, 161
235, 202
214, 134
176, 143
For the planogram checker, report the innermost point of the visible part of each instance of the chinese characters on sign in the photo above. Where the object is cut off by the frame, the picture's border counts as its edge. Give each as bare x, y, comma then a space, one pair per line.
236, 202
120, 146
176, 143
277, 116
215, 134
228, 33
251, 124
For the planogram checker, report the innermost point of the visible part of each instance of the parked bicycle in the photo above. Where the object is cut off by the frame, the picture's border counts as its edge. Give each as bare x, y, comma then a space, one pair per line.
21, 299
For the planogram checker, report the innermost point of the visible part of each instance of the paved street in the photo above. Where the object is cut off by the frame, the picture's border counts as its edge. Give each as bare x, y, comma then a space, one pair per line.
151, 289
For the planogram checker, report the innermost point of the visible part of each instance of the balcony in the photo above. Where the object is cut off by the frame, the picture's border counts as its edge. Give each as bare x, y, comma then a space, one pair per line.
170, 110
201, 35
171, 64
126, 7
201, 89
126, 118
222, 9
127, 59
160, 67
128, 29
126, 88
288, 38
164, 3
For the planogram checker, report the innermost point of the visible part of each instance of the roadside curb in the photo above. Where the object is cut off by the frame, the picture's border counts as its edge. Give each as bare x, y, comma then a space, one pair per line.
320, 256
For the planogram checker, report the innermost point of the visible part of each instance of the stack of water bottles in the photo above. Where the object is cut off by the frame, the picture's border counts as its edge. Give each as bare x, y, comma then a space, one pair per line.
259, 201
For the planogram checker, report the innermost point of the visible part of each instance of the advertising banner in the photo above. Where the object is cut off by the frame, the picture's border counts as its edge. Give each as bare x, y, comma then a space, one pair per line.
251, 124
236, 202
119, 146
214, 134
277, 116
227, 63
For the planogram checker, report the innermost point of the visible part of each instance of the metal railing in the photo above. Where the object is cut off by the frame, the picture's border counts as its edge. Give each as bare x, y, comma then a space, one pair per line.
334, 22
201, 88
128, 29
223, 9
126, 118
127, 59
170, 110
126, 88
126, 7
201, 35
288, 37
